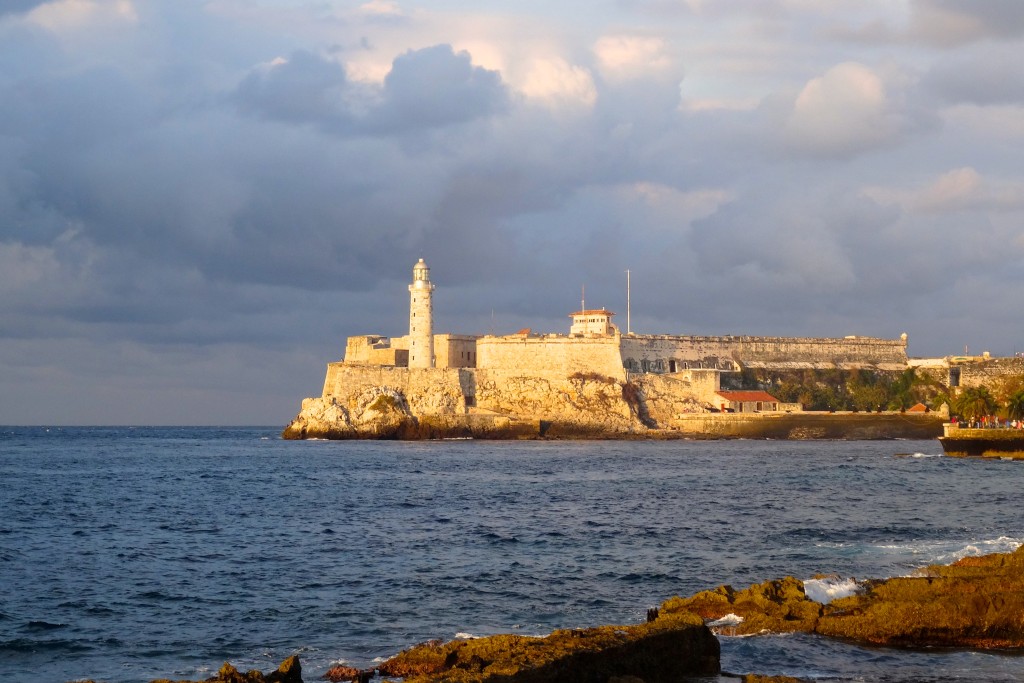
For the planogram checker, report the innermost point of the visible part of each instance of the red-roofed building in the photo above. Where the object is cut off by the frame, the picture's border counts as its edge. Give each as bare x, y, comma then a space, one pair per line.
918, 408
748, 401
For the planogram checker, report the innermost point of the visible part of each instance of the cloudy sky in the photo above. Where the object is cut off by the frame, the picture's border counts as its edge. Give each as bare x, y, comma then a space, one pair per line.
200, 199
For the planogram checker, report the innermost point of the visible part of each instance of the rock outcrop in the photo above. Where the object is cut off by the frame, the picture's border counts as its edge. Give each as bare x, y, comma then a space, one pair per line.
657, 652
385, 402
376, 402
290, 671
977, 602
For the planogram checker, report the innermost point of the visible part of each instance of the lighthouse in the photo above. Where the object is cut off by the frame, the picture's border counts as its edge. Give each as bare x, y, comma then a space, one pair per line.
421, 318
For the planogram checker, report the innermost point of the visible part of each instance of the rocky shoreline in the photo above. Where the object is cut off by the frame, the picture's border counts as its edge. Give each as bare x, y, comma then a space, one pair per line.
389, 417
975, 603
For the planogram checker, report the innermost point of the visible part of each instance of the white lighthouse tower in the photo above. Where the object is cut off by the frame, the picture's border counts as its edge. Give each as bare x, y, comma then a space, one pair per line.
421, 318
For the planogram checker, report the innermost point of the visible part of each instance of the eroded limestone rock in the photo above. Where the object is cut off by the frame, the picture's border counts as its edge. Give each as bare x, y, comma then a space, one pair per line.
657, 652
977, 602
290, 671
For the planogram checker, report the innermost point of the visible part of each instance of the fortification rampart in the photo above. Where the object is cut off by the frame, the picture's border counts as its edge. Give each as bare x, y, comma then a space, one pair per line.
668, 353
800, 426
988, 372
551, 355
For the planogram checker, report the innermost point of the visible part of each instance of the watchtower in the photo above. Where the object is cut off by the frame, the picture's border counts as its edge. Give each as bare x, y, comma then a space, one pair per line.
421, 318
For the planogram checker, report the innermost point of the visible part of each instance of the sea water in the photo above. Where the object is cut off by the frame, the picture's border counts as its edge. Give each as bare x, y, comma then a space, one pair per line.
128, 554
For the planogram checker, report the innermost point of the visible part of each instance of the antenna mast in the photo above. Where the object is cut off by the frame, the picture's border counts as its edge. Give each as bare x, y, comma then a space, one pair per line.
629, 327
583, 298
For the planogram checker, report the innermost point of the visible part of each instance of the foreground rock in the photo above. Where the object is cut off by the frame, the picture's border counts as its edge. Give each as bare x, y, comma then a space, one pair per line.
290, 671
658, 652
977, 602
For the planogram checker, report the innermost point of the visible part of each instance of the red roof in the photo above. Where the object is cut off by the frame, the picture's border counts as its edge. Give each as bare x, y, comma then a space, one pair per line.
918, 408
748, 396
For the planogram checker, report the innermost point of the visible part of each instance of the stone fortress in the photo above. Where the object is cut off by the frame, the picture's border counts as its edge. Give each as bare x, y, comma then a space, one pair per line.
592, 381
594, 344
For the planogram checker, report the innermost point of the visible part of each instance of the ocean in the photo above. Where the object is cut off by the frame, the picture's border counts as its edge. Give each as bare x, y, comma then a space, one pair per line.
128, 554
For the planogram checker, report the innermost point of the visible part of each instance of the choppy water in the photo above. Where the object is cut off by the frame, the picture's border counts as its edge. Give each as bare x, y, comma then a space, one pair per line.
131, 554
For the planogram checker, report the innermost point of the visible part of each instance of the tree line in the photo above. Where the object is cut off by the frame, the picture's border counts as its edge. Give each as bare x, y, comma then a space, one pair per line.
873, 390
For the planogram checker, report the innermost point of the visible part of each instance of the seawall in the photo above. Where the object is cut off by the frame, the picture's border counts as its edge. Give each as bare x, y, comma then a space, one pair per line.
853, 426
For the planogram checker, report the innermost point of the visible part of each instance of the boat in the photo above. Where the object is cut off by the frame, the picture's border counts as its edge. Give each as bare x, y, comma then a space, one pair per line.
991, 442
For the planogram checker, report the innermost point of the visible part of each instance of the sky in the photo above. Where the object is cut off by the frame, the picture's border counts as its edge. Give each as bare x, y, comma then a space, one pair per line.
201, 199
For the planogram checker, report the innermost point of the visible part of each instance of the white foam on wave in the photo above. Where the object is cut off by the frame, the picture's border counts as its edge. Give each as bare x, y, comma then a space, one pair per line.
927, 455
465, 636
729, 619
829, 588
925, 553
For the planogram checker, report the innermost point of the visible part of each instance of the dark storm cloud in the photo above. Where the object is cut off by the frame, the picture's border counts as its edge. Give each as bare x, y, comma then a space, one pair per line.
305, 88
428, 88
436, 87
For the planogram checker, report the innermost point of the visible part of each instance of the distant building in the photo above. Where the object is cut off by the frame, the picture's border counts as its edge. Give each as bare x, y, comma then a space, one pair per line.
594, 345
748, 402
593, 322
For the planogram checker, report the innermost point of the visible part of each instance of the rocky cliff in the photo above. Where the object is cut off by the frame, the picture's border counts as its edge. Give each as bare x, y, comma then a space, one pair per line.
382, 402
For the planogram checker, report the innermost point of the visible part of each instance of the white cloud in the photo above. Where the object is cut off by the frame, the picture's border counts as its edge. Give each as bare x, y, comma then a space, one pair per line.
625, 56
683, 205
381, 8
559, 84
842, 112
72, 15
956, 190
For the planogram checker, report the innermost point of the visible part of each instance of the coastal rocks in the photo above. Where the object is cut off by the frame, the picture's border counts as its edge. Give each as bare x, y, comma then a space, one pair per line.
657, 652
290, 671
977, 602
779, 606
320, 418
375, 413
348, 674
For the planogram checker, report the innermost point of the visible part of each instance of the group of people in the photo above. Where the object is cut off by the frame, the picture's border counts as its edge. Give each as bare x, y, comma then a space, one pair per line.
989, 422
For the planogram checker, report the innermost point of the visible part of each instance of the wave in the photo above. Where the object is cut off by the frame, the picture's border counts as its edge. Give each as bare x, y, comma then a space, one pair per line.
949, 551
42, 626
829, 588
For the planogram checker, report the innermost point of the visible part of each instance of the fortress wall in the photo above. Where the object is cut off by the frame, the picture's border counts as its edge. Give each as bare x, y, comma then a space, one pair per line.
987, 372
555, 356
656, 353
358, 349
454, 351
663, 353
430, 391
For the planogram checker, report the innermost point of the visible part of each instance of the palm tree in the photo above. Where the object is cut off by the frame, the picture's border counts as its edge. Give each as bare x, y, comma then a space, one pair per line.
1015, 405
975, 402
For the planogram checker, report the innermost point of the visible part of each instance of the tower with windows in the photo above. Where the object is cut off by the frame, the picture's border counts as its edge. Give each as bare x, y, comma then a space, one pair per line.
421, 318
